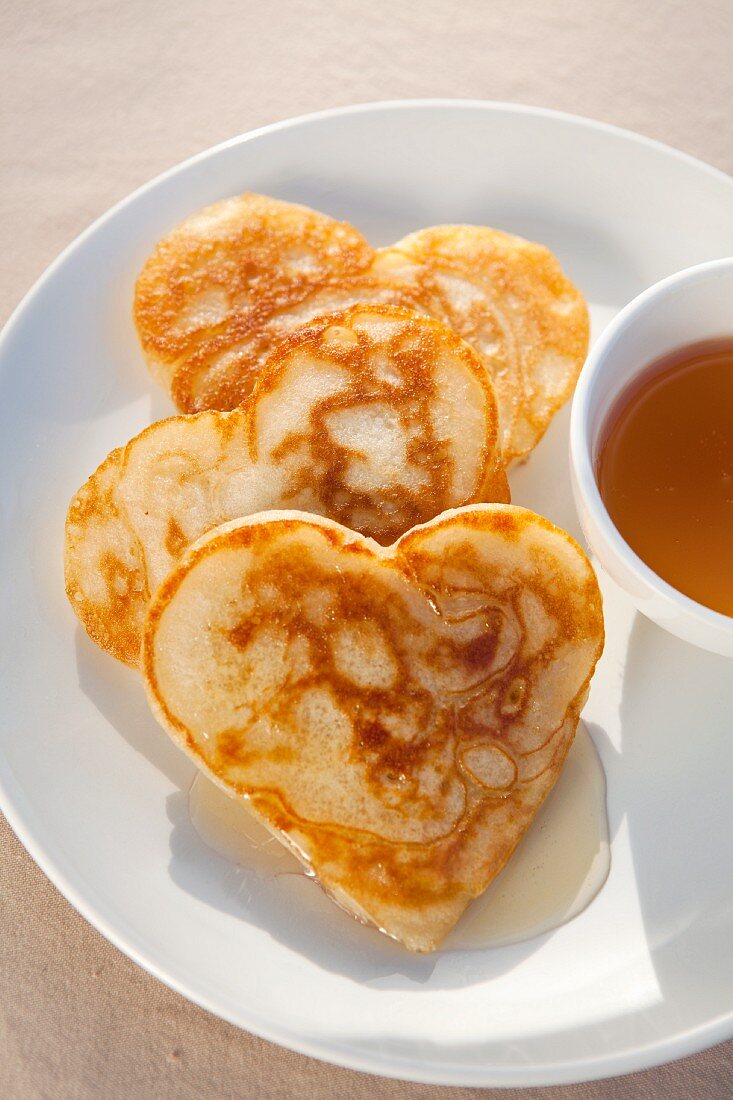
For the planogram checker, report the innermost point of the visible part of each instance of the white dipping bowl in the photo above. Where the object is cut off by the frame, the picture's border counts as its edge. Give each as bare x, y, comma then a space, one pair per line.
693, 305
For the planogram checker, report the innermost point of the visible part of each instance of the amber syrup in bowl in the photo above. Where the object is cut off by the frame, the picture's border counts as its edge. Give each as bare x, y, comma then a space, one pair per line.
665, 470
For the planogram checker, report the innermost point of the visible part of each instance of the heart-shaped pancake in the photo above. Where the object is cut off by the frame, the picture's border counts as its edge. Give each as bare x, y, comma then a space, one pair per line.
395, 716
226, 286
377, 417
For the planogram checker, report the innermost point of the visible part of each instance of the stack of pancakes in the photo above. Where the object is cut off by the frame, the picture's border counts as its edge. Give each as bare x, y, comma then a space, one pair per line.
336, 612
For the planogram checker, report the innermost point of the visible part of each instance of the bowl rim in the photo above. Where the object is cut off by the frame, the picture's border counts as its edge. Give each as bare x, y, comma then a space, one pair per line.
581, 440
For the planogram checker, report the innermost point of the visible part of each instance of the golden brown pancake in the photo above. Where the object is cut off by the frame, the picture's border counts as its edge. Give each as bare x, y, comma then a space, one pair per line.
376, 417
395, 716
103, 563
204, 299
225, 287
510, 300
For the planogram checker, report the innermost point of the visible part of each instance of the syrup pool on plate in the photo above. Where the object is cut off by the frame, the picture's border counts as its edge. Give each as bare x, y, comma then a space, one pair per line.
560, 865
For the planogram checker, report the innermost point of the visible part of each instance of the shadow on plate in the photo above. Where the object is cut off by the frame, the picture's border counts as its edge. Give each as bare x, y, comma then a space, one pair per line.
118, 694
677, 756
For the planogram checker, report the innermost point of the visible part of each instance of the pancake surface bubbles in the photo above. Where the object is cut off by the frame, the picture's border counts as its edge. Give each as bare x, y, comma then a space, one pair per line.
205, 299
376, 417
395, 716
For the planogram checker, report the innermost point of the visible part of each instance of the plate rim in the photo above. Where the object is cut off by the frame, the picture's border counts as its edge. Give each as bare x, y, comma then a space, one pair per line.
649, 1054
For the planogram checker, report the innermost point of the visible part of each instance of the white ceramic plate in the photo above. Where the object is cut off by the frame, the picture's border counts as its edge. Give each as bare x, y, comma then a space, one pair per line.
98, 794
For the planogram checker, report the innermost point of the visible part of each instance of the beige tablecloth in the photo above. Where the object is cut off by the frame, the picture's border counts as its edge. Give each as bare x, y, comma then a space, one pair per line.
100, 95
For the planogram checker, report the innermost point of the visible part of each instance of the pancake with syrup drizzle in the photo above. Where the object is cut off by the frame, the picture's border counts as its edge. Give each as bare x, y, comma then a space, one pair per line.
394, 716
376, 417
204, 299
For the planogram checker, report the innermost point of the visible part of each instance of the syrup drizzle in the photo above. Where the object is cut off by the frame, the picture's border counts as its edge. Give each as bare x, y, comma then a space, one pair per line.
558, 868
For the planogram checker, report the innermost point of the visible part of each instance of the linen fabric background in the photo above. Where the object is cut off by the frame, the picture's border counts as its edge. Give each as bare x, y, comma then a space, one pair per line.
99, 96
